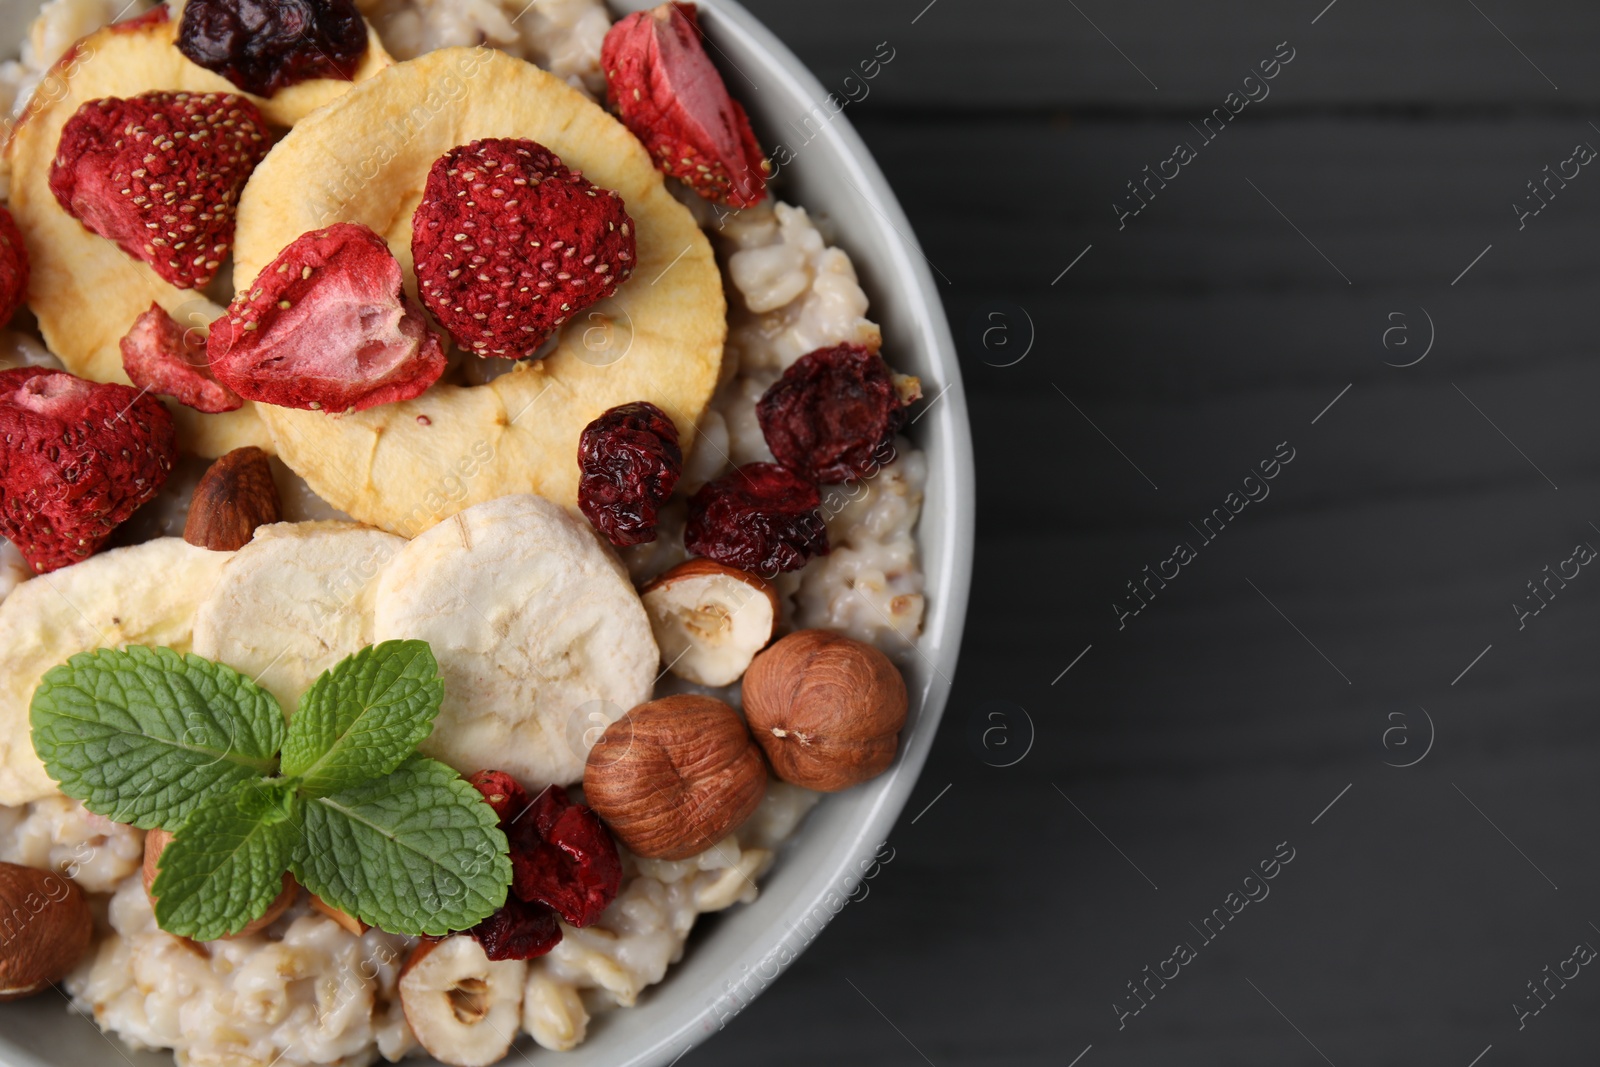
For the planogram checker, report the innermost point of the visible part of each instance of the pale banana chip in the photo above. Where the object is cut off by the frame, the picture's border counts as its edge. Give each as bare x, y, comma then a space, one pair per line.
539, 634
365, 158
293, 602
141, 595
85, 290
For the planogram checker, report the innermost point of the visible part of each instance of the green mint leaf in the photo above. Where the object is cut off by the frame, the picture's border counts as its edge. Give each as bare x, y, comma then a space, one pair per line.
417, 852
144, 735
226, 864
363, 716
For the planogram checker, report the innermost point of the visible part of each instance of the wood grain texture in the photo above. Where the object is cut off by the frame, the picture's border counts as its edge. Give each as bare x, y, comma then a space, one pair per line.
1180, 751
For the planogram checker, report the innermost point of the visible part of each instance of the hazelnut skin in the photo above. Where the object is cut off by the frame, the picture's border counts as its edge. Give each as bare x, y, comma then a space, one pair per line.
157, 840
825, 708
674, 775
48, 929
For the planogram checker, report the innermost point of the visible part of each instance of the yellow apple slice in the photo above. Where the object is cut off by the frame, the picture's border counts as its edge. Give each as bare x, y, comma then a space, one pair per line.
365, 158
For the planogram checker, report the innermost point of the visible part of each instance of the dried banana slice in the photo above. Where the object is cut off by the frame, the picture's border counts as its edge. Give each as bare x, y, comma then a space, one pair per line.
141, 595
538, 632
293, 602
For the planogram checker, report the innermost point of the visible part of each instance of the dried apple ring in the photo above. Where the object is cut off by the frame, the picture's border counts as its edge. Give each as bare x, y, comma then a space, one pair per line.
365, 158
85, 291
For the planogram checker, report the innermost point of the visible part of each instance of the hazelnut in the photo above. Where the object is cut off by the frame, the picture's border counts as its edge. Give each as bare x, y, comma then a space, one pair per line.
673, 776
709, 619
349, 922
826, 709
462, 1007
157, 840
45, 928
235, 495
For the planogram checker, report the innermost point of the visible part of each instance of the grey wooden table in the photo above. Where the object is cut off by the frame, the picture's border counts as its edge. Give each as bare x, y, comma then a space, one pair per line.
1371, 676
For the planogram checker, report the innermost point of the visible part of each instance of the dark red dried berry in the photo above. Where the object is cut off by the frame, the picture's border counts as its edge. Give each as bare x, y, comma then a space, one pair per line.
266, 45
505, 796
760, 518
833, 415
629, 463
562, 855
518, 931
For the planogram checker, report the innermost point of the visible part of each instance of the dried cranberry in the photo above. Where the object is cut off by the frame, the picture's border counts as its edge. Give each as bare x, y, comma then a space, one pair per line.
266, 45
833, 415
505, 796
629, 462
518, 931
760, 517
562, 855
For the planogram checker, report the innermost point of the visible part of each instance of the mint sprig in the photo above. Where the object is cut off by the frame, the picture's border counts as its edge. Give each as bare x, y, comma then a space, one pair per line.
159, 739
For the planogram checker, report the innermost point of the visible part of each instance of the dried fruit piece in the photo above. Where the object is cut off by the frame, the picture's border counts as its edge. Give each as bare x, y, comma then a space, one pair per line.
666, 90
710, 620
160, 175
462, 1006
630, 463
518, 931
673, 776
13, 267
508, 244
265, 45
825, 708
161, 357
562, 855
834, 413
508, 799
760, 518
79, 458
327, 327
48, 927
234, 496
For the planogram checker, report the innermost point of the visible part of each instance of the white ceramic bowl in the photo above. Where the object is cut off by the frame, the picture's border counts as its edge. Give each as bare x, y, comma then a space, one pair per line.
835, 178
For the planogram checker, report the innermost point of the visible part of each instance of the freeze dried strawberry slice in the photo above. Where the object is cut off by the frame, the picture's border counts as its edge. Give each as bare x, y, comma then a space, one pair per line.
518, 931
562, 855
327, 326
667, 92
160, 175
79, 458
505, 796
13, 267
508, 244
160, 357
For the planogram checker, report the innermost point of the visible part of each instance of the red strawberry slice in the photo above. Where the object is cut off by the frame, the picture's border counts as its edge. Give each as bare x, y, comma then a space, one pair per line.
327, 326
160, 175
160, 357
79, 458
508, 244
666, 90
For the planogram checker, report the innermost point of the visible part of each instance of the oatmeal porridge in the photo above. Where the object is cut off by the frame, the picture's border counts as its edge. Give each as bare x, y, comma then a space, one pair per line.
529, 618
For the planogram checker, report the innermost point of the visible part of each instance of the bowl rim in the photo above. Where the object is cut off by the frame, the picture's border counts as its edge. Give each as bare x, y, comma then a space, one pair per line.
909, 286
940, 642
